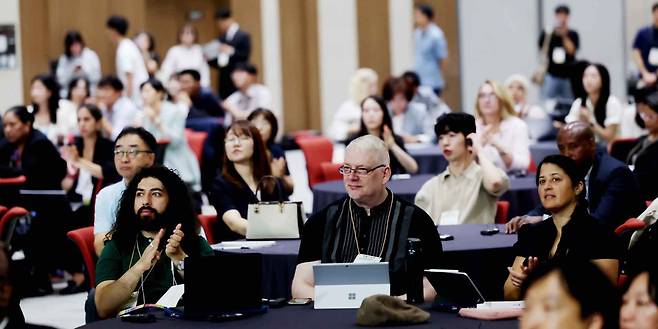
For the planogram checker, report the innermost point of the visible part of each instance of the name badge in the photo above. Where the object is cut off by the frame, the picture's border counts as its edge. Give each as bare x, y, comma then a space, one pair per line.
653, 56
366, 259
559, 55
450, 217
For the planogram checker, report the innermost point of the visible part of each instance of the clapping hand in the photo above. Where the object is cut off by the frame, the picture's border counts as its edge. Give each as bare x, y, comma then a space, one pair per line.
151, 254
278, 167
519, 277
387, 136
173, 248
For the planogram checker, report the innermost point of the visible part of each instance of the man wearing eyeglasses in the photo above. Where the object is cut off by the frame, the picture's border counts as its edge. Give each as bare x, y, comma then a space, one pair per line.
371, 224
133, 150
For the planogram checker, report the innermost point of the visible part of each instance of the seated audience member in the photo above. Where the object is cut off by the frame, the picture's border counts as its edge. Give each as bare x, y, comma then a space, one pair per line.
596, 106
155, 204
347, 118
77, 62
204, 103
249, 94
425, 95
381, 220
479, 182
569, 295
267, 125
89, 158
639, 303
186, 55
118, 111
133, 151
517, 87
504, 137
570, 233
609, 182
78, 94
166, 121
48, 117
245, 163
644, 156
27, 151
146, 45
376, 121
631, 125
408, 117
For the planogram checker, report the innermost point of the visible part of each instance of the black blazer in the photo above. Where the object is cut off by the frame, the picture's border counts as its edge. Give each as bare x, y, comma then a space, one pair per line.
614, 193
40, 162
103, 156
646, 168
241, 42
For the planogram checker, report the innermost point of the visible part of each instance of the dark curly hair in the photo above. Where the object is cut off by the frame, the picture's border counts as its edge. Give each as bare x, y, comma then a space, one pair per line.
179, 210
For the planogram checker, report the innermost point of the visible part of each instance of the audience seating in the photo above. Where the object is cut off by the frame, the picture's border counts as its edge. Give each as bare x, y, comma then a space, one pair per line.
207, 223
3, 210
502, 209
630, 224
532, 167
621, 147
196, 140
330, 171
84, 239
13, 180
8, 222
316, 149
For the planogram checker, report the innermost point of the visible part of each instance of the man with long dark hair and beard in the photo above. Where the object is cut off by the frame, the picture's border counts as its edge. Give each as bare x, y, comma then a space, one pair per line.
135, 267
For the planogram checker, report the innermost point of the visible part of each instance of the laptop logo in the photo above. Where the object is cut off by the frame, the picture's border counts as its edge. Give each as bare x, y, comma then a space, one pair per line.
351, 296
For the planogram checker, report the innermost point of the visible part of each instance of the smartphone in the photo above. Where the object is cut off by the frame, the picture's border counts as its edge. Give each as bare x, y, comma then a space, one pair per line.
276, 303
490, 231
299, 301
138, 318
446, 237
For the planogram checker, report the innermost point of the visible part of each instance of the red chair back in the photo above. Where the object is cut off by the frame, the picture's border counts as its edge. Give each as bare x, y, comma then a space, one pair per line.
532, 167
84, 239
330, 171
3, 210
196, 139
5, 222
621, 147
207, 223
316, 150
630, 224
13, 180
502, 209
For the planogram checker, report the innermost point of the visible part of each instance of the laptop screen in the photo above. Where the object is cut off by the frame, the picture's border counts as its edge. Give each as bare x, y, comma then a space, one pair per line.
226, 282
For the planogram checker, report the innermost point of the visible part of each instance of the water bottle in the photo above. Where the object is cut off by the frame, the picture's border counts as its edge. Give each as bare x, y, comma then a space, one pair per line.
414, 271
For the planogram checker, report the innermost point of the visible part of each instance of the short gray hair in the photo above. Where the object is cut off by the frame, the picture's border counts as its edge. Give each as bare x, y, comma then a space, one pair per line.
371, 144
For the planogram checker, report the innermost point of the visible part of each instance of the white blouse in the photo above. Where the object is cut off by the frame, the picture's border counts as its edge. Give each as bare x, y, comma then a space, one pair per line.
180, 58
613, 111
513, 134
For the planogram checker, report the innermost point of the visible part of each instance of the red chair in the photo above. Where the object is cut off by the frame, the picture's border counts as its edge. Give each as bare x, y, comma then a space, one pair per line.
630, 224
316, 150
8, 222
330, 171
502, 209
196, 139
621, 147
84, 239
532, 167
3, 210
208, 223
621, 280
13, 180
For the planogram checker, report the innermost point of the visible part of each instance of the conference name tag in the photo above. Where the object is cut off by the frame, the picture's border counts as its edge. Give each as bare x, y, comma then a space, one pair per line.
450, 217
559, 55
653, 56
366, 259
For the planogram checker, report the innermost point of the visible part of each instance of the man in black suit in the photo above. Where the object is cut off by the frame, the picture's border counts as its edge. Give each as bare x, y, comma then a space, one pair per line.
612, 193
235, 47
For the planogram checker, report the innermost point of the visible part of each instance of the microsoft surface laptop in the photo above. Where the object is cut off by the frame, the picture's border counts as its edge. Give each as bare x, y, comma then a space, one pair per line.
345, 285
454, 289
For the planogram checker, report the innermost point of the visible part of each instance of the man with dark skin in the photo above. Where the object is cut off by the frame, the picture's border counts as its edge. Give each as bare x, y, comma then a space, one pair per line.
611, 189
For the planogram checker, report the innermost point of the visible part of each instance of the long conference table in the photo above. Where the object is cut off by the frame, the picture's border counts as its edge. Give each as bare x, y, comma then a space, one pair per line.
484, 258
522, 194
305, 317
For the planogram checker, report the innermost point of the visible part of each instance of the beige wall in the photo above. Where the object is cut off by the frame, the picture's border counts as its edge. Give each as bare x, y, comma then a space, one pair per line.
11, 80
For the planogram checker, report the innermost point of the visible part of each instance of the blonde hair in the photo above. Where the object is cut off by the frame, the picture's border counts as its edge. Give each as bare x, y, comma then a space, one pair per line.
360, 83
506, 108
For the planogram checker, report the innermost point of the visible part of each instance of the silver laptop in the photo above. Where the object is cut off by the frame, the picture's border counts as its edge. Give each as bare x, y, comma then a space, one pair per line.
345, 285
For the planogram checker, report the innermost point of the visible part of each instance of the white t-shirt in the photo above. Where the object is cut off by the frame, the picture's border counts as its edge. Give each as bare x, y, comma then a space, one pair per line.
613, 111
130, 60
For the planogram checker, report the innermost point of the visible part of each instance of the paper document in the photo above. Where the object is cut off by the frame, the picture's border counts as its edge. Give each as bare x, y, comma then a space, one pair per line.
172, 296
228, 245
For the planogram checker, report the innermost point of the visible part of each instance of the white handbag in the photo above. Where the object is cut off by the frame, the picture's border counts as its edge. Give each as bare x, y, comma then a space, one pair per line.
267, 220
